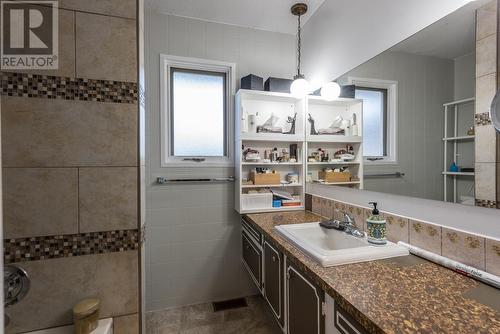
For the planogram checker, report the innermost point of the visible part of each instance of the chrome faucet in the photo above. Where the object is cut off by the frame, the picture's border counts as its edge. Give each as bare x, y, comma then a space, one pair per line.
349, 225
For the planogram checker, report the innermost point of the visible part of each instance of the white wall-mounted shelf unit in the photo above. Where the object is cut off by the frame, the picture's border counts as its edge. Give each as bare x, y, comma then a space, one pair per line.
264, 104
452, 114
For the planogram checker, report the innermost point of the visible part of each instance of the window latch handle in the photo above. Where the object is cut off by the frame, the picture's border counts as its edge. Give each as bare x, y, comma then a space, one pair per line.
194, 159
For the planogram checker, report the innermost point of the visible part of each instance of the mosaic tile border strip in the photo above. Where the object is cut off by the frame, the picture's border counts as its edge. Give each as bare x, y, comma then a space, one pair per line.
53, 87
486, 203
482, 119
52, 247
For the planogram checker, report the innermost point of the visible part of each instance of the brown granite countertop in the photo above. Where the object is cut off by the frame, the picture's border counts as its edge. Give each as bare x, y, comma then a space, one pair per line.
399, 295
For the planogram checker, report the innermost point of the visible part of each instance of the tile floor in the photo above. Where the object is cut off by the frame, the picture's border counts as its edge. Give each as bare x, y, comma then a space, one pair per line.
200, 319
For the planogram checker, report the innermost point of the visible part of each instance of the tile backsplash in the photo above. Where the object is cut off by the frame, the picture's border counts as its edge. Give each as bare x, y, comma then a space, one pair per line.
473, 250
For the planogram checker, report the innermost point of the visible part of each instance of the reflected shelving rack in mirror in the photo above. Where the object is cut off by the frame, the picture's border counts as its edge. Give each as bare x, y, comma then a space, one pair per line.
458, 143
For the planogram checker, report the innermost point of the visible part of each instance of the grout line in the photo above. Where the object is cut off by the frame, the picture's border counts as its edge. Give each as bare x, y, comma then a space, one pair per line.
94, 13
78, 200
74, 40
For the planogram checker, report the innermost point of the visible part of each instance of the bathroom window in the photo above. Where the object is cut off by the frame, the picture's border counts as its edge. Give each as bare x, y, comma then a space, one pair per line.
379, 119
196, 104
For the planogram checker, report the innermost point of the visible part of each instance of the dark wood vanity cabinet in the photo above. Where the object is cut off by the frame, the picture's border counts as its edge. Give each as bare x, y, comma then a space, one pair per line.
305, 304
273, 280
296, 303
252, 258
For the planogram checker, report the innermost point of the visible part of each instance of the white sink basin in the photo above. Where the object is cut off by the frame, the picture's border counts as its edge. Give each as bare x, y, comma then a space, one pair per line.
332, 248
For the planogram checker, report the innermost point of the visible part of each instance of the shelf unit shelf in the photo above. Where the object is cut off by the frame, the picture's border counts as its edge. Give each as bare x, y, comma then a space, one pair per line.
340, 183
274, 137
281, 209
451, 113
271, 163
282, 185
334, 163
262, 105
460, 173
334, 139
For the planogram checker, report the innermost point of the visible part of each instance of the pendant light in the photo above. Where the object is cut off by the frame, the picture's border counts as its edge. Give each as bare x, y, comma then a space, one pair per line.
330, 91
300, 86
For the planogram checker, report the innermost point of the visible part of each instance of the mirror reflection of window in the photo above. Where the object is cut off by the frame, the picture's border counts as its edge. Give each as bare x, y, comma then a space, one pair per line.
375, 121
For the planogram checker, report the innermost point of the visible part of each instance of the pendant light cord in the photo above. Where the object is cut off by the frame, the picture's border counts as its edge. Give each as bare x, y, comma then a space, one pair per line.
299, 41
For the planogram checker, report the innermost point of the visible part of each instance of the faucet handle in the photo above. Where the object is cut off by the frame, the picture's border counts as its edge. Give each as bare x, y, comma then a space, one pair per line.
347, 217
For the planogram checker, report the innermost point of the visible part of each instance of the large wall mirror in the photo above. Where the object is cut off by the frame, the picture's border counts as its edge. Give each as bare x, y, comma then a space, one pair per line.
427, 127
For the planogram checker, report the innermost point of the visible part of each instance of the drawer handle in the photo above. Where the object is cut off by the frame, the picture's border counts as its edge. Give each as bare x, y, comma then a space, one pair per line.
273, 258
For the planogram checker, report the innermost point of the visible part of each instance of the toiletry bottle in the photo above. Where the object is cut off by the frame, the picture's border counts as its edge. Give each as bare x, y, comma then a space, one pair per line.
354, 126
252, 123
376, 226
454, 168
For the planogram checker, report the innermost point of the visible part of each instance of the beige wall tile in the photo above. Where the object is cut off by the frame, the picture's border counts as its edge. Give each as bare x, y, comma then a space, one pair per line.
485, 183
493, 256
122, 8
128, 324
44, 133
108, 198
486, 56
368, 213
106, 47
40, 201
66, 54
425, 236
338, 209
463, 247
486, 142
327, 208
316, 205
486, 87
397, 228
358, 214
486, 20
58, 284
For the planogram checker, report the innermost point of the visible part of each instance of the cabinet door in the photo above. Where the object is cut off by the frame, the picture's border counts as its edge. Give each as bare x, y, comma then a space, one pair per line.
304, 304
273, 280
252, 258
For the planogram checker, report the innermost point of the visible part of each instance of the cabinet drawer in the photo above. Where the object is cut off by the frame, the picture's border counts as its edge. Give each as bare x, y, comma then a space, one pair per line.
252, 232
345, 323
252, 258
273, 280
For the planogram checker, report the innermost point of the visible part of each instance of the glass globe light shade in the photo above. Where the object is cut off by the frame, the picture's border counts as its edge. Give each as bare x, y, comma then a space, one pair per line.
300, 87
330, 91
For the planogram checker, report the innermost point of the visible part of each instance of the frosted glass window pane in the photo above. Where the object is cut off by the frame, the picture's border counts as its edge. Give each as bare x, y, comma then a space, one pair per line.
198, 105
373, 122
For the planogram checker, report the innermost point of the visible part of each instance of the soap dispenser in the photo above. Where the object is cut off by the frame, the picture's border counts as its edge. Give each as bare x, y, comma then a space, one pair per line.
376, 226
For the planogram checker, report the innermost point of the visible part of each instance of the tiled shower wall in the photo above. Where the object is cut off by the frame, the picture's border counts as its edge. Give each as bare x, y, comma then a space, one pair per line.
487, 164
70, 170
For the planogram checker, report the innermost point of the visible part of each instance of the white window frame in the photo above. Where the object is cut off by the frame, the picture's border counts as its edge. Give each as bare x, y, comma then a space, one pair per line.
391, 157
166, 63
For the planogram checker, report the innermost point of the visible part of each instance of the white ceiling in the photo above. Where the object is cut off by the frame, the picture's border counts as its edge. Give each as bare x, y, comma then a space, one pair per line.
344, 34
451, 37
271, 15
